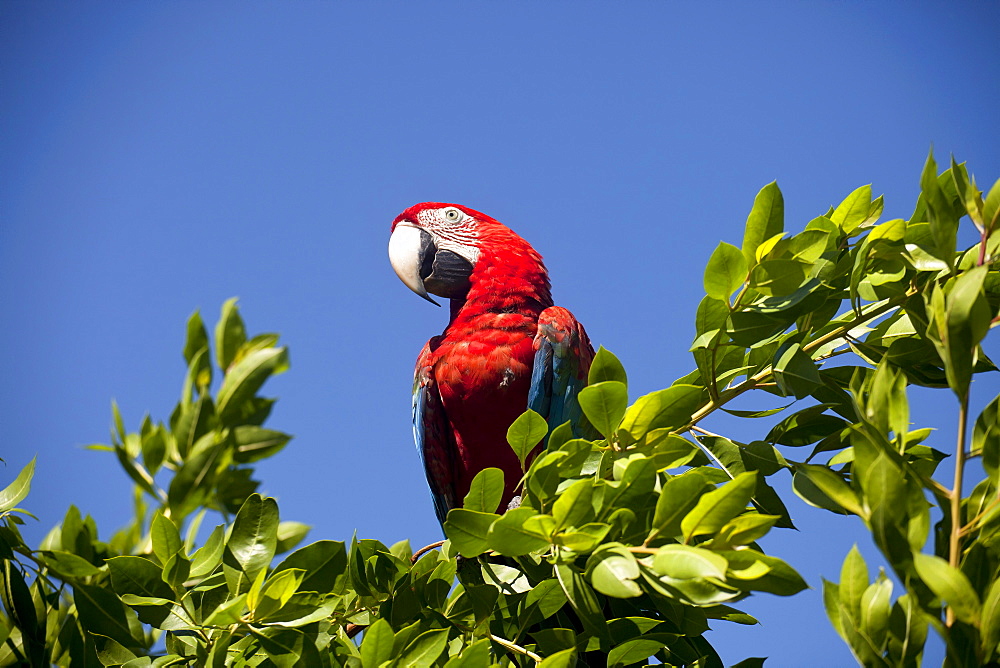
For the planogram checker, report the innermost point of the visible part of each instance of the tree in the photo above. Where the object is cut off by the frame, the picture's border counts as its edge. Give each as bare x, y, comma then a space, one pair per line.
623, 548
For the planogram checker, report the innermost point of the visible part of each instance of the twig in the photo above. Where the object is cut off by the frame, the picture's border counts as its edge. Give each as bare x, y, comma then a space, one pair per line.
422, 551
755, 380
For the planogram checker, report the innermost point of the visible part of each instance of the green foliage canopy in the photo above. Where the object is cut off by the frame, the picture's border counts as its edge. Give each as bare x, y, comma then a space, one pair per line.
623, 548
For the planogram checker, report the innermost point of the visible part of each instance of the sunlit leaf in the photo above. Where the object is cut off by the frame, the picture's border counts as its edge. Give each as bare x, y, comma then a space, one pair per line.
725, 272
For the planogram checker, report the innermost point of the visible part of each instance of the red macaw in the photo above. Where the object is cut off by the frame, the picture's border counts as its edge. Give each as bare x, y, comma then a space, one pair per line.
506, 348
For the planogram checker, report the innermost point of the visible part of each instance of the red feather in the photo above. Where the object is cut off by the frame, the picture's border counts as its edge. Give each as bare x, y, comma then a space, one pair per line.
477, 373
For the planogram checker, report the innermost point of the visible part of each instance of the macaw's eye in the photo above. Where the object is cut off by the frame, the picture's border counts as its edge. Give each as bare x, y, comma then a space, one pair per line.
453, 215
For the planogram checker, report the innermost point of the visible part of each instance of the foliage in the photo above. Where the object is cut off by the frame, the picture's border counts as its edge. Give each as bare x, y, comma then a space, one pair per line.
623, 548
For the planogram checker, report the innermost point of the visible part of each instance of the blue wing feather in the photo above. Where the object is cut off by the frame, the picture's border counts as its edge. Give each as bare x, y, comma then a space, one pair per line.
562, 360
432, 437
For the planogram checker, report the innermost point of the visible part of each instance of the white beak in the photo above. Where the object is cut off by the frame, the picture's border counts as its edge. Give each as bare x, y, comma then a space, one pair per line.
405, 255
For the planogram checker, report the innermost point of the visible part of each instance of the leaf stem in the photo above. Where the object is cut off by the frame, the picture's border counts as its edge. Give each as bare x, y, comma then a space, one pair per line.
955, 537
515, 648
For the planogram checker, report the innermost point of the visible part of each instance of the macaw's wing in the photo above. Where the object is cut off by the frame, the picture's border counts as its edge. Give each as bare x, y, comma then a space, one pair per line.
433, 437
562, 361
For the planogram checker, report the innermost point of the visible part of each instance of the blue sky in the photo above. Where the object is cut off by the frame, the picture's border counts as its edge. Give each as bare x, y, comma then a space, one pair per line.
160, 157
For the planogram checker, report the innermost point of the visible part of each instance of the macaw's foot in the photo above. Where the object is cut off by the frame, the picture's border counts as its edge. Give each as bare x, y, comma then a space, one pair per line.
514, 503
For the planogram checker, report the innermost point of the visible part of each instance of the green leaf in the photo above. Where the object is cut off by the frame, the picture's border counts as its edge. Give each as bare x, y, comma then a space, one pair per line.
691, 574
991, 207
573, 507
942, 219
376, 647
16, 491
228, 612
467, 530
17, 597
247, 376
604, 405
806, 426
138, 576
796, 373
154, 448
209, 555
166, 538
751, 570
986, 438
669, 408
633, 651
110, 652
274, 594
949, 584
584, 601
606, 367
583, 539
485, 491
743, 530
473, 656
290, 534
565, 658
875, 610
612, 570
853, 211
230, 334
103, 613
748, 328
719, 506
197, 356
670, 450
197, 337
424, 650
176, 571
853, 583
526, 433
990, 621
777, 278
822, 488
725, 272
908, 630
67, 564
684, 562
678, 496
755, 414
968, 320
510, 537
252, 543
766, 219
711, 316
324, 562
809, 246
255, 443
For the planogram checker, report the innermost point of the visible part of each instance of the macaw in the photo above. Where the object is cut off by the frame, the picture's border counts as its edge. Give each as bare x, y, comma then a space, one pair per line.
506, 347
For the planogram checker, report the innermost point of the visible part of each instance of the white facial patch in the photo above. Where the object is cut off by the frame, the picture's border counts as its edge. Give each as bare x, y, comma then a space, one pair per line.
458, 237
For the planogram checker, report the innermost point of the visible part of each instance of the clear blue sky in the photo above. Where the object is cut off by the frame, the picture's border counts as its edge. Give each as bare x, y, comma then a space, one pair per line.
157, 157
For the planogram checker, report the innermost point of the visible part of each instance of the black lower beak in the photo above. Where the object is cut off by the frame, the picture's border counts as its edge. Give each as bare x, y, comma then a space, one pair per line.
444, 273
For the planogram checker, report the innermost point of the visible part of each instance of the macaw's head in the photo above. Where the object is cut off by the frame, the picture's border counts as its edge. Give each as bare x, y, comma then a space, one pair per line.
435, 248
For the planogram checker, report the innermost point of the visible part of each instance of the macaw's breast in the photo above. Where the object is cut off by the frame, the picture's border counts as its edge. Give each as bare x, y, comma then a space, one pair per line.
482, 369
